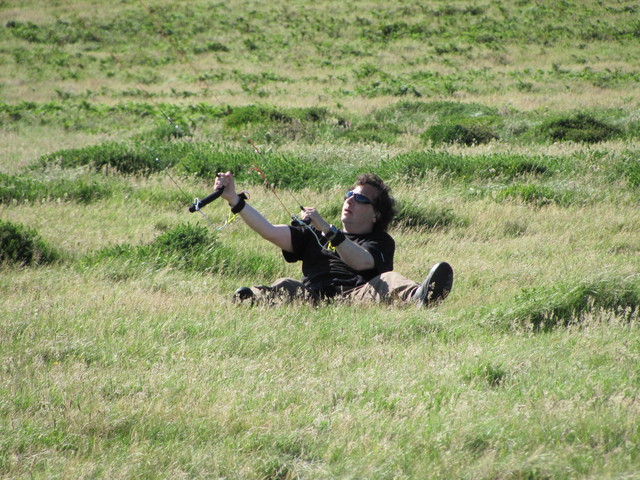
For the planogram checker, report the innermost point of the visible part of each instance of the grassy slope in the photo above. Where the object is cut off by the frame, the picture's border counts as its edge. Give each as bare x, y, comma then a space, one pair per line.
141, 367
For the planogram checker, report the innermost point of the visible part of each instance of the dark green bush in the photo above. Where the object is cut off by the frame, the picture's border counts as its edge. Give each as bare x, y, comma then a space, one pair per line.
458, 133
210, 47
23, 246
581, 128
255, 114
292, 122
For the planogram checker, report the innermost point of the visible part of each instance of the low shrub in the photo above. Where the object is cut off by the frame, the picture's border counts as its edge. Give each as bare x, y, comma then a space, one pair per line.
23, 246
457, 133
210, 47
581, 128
255, 114
295, 173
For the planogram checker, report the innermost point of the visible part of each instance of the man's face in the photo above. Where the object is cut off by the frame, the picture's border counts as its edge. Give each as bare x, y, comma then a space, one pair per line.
358, 217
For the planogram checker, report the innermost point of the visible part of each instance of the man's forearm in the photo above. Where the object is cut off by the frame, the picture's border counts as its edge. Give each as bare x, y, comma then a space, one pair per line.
355, 256
276, 234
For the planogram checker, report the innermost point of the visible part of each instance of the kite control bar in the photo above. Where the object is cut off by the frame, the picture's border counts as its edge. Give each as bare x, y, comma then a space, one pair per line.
198, 204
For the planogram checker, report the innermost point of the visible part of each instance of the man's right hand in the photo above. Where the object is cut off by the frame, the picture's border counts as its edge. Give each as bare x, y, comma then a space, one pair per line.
225, 180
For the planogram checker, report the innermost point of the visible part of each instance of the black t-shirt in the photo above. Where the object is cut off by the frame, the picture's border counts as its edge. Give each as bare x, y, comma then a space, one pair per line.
324, 272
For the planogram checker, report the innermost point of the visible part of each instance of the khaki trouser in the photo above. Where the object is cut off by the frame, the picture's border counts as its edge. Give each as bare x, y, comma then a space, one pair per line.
388, 287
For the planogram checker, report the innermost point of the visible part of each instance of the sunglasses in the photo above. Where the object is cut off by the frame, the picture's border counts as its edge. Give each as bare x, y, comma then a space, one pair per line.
358, 197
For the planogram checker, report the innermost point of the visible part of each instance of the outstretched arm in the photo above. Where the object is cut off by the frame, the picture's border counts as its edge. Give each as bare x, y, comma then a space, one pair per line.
279, 235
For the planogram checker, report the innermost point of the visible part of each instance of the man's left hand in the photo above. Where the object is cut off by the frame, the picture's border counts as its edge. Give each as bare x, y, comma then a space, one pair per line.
311, 214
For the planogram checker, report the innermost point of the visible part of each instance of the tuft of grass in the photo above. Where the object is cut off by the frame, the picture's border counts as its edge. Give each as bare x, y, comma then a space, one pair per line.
547, 307
540, 195
166, 132
83, 189
262, 114
57, 33
626, 167
415, 165
430, 218
255, 114
493, 374
205, 161
443, 111
23, 246
396, 87
370, 132
119, 157
184, 247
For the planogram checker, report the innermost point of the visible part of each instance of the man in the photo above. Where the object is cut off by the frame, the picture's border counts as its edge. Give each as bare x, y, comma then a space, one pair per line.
355, 263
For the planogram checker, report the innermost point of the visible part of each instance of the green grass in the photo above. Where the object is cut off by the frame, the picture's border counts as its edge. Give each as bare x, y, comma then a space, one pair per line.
509, 133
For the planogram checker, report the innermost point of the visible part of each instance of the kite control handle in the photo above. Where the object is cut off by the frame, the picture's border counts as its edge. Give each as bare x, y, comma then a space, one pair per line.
198, 204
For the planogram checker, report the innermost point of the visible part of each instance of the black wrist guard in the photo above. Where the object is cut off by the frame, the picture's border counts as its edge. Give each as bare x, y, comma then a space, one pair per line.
338, 238
240, 205
335, 236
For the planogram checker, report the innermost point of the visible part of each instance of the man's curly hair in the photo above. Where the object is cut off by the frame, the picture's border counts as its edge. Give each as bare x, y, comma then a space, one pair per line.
384, 203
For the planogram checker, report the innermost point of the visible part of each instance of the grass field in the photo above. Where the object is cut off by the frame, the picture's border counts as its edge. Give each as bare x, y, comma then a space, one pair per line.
510, 134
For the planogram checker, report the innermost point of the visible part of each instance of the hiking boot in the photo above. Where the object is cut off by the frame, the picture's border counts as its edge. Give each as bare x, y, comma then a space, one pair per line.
243, 293
436, 286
